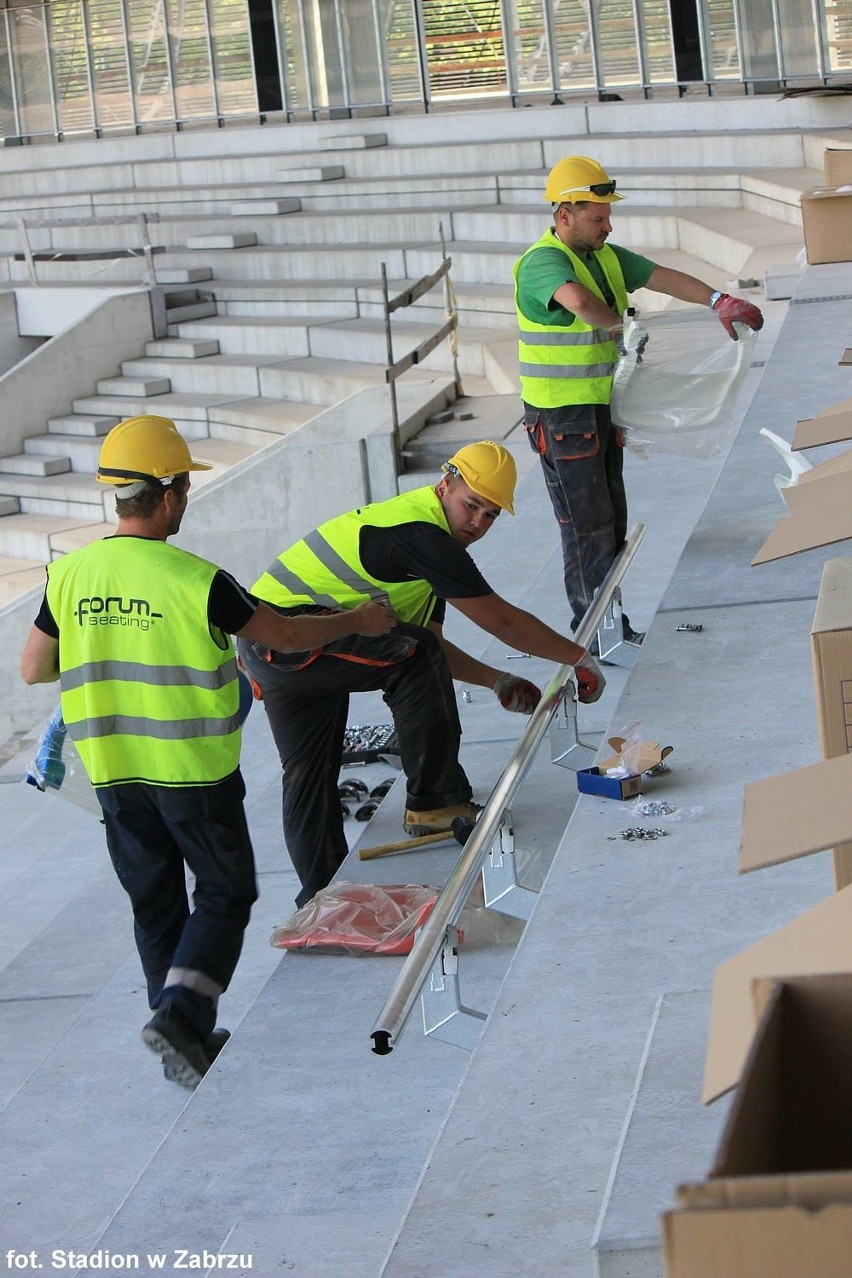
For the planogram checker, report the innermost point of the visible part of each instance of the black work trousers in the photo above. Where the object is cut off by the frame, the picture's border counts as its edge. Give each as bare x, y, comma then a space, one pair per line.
307, 710
153, 832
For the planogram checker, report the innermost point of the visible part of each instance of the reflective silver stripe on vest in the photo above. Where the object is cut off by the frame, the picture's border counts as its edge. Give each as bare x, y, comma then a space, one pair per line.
566, 370
112, 725
294, 584
350, 577
586, 337
156, 676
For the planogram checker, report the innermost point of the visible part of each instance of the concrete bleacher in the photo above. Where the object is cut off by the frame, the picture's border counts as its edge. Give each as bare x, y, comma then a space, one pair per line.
555, 1144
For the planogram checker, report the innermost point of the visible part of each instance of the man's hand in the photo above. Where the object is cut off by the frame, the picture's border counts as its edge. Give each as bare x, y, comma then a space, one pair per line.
590, 680
517, 694
736, 309
372, 619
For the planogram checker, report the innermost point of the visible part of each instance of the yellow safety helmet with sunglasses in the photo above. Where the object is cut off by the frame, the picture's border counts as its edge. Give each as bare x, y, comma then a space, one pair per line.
487, 468
576, 179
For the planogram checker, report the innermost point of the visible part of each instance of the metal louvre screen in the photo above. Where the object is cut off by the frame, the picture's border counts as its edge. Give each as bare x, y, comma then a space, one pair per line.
464, 47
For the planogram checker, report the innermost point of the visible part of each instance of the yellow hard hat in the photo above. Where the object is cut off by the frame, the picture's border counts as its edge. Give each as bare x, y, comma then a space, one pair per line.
489, 469
146, 448
577, 178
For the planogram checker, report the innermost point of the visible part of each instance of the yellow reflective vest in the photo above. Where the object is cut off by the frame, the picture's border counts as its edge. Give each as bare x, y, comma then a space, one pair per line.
325, 567
149, 691
575, 364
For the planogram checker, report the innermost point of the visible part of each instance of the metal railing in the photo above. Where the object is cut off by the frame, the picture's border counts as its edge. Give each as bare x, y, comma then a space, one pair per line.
433, 960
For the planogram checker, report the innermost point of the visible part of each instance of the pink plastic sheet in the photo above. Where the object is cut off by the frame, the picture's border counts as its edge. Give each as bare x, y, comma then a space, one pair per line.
358, 918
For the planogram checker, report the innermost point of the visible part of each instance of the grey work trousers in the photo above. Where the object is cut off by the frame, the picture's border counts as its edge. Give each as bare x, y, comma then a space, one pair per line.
307, 710
582, 460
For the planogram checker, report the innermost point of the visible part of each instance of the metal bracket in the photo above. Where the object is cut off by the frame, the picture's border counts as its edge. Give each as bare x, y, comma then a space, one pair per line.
444, 1017
566, 748
612, 646
500, 883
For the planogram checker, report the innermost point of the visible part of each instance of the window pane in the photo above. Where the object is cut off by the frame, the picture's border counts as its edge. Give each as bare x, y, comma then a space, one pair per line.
67, 37
400, 33
191, 68
113, 107
232, 61
30, 70
146, 35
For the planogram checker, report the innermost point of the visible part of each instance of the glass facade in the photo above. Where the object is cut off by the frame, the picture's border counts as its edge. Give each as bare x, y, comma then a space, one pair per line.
77, 68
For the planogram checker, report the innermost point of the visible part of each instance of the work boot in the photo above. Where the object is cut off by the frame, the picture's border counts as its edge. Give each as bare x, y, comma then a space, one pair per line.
631, 635
173, 1039
436, 819
212, 1045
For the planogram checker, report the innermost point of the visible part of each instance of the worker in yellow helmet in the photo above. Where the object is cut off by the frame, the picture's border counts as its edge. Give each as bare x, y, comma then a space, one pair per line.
149, 695
571, 291
411, 550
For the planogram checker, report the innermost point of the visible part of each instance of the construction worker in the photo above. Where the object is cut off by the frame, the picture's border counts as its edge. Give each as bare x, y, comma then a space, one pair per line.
137, 633
413, 551
571, 292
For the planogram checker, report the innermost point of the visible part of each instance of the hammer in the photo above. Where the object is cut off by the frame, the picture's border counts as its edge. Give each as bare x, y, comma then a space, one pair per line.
461, 832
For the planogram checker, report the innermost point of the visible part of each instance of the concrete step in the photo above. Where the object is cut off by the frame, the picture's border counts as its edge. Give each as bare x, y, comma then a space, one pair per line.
234, 375
134, 387
78, 497
280, 336
189, 412
365, 340
183, 275
82, 424
18, 577
38, 537
9, 506
182, 348
33, 463
310, 173
314, 380
264, 207
81, 452
259, 421
353, 142
193, 310
243, 239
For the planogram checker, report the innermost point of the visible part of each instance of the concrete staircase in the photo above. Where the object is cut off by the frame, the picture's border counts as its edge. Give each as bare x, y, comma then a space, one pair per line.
270, 265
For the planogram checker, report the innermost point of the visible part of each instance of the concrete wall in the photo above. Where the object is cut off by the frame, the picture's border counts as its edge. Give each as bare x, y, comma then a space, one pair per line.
66, 367
13, 347
341, 458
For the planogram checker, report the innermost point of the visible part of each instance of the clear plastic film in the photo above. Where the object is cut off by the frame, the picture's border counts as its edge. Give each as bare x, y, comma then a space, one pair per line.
677, 389
58, 769
358, 918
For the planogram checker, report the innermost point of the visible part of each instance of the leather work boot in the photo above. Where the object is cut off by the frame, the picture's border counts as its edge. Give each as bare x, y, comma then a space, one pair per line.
171, 1037
212, 1045
437, 819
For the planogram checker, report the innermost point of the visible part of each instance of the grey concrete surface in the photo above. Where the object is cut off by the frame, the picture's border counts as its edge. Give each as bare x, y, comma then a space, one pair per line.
304, 1149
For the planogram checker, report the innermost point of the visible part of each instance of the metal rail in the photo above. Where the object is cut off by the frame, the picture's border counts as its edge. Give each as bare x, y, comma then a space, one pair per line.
435, 946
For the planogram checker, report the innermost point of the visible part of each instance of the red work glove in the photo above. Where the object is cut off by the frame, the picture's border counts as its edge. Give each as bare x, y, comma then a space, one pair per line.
590, 680
731, 309
517, 694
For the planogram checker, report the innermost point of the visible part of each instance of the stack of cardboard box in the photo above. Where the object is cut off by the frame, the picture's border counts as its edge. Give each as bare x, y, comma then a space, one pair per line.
777, 1202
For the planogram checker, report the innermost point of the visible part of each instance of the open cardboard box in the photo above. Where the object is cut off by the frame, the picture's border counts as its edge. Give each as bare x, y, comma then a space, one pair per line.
820, 514
777, 1202
829, 426
831, 653
827, 224
641, 758
837, 165
796, 813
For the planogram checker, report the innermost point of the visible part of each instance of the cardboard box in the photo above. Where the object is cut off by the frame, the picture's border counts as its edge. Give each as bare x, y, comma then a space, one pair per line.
820, 514
641, 758
827, 427
796, 813
777, 1202
827, 224
831, 652
837, 165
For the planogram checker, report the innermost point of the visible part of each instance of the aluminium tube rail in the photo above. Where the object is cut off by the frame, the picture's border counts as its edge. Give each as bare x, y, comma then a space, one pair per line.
448, 907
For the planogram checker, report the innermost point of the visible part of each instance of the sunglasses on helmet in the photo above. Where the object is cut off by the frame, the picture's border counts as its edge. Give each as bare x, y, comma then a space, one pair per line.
596, 188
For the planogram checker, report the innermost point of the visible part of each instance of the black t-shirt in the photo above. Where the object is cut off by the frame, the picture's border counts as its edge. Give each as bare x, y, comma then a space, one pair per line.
423, 551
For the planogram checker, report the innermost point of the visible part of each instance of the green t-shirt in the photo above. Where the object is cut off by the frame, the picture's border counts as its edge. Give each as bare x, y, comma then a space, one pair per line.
541, 273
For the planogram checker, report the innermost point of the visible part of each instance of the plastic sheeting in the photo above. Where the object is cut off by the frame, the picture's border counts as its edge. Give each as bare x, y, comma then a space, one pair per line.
679, 392
358, 918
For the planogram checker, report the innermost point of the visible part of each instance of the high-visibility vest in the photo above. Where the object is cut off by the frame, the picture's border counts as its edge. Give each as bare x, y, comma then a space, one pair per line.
574, 364
149, 691
325, 567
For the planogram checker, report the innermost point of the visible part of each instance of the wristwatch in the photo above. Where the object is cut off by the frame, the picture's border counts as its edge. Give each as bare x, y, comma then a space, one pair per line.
714, 297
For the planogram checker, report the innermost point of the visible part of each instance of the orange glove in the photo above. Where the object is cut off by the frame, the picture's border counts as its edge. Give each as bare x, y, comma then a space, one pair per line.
517, 694
735, 309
